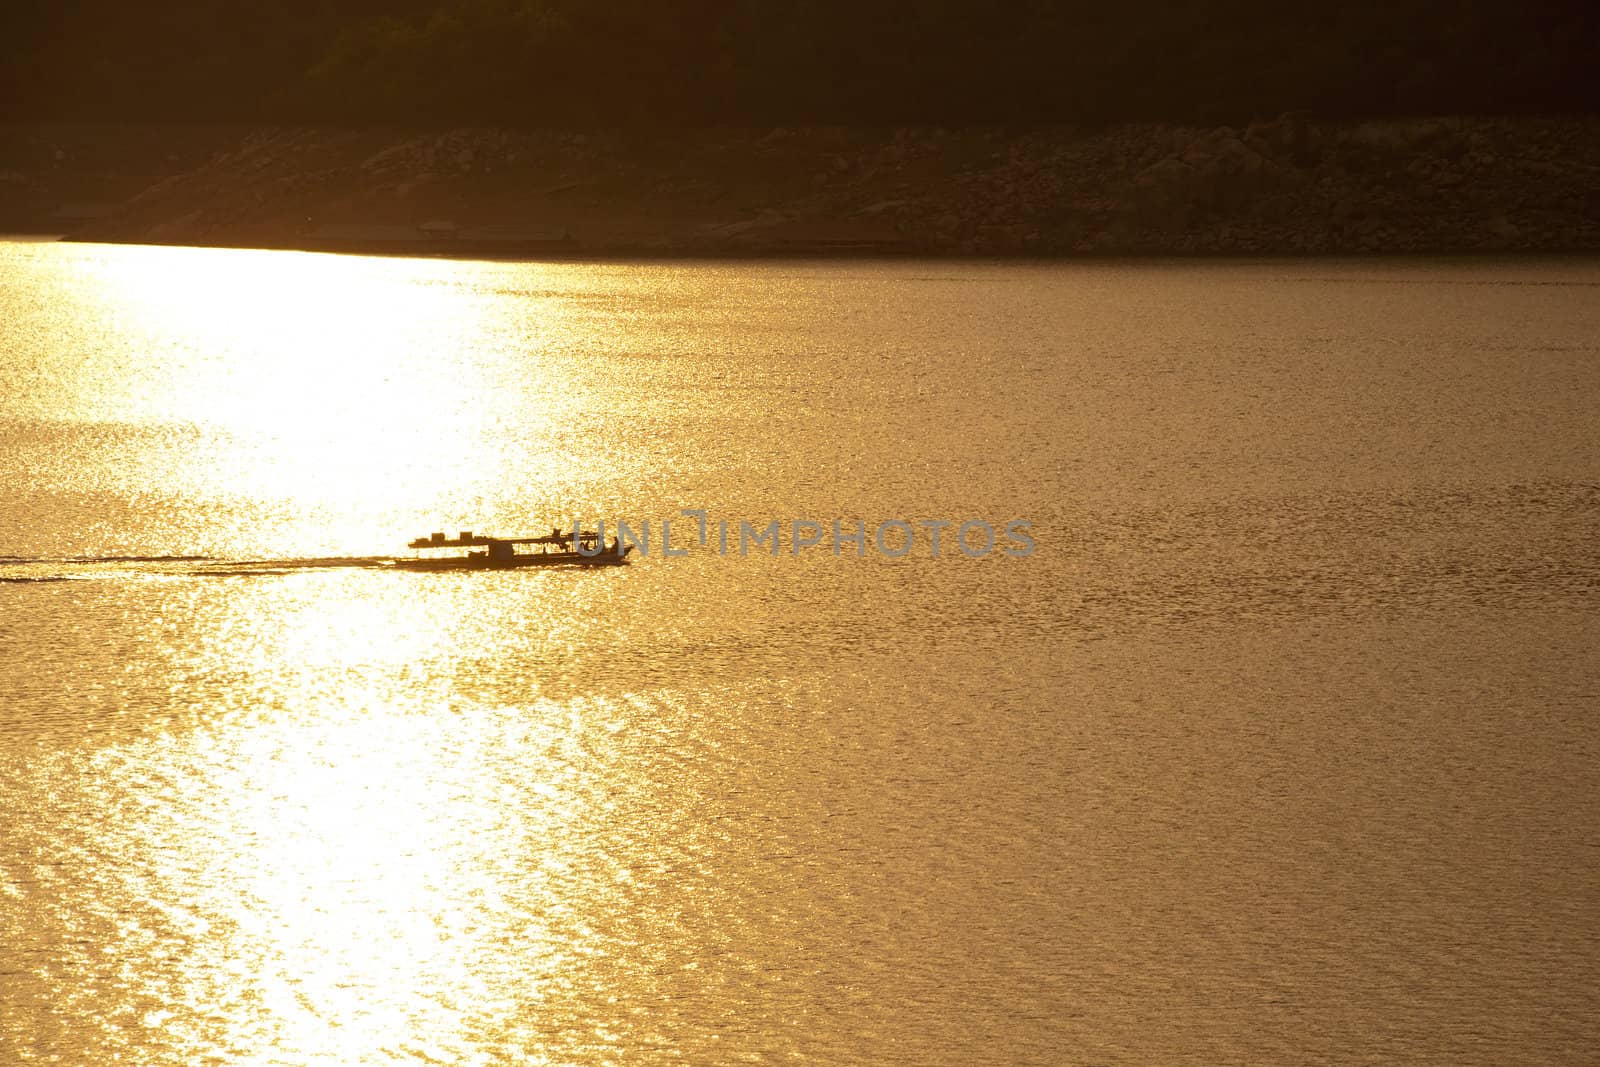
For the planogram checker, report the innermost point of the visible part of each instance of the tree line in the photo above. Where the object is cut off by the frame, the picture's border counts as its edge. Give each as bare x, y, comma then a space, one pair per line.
942, 62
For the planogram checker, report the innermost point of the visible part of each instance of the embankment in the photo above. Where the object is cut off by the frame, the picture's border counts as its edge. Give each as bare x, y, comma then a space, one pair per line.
1289, 185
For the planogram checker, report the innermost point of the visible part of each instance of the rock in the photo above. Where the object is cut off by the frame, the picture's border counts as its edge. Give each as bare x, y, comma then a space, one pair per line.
882, 206
1165, 190
1215, 172
1381, 137
1291, 138
406, 188
391, 155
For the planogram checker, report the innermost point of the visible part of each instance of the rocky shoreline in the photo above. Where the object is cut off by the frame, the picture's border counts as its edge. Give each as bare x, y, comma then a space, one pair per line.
1290, 185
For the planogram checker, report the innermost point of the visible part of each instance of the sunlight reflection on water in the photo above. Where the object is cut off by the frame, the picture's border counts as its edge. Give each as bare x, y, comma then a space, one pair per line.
1275, 751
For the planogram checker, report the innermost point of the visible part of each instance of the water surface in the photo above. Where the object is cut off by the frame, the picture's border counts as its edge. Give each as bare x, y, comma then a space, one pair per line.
1281, 747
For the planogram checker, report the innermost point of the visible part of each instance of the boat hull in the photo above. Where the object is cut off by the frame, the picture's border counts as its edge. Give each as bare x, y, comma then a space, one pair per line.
607, 558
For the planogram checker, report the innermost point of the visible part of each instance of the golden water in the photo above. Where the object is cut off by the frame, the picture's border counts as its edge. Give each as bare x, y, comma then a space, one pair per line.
1280, 748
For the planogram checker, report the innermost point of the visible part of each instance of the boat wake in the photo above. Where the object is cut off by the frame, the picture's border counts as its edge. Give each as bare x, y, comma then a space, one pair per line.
233, 568
18, 570
23, 561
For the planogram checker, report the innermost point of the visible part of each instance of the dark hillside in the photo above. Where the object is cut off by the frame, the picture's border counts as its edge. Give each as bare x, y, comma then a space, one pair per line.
851, 62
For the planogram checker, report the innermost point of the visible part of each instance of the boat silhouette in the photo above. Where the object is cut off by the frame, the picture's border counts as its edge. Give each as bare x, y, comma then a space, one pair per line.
470, 551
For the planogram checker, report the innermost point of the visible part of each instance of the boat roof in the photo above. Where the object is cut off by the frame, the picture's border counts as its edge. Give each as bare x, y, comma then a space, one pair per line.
478, 540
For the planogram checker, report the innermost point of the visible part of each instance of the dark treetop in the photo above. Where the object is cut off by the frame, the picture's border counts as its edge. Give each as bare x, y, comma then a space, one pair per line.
645, 62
